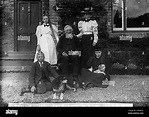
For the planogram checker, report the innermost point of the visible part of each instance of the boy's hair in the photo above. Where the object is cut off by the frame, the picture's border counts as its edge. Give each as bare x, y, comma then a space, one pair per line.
68, 27
40, 52
98, 51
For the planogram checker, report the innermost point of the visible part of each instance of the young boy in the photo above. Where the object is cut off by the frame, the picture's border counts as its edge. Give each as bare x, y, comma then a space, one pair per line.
39, 78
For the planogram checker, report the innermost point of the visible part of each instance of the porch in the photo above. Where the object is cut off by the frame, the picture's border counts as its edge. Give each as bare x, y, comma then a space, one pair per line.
120, 62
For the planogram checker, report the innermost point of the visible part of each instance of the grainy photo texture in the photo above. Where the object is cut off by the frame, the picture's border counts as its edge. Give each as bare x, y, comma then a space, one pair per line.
57, 53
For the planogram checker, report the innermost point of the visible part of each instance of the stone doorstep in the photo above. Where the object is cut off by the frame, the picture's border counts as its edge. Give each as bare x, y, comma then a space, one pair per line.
18, 68
15, 68
18, 56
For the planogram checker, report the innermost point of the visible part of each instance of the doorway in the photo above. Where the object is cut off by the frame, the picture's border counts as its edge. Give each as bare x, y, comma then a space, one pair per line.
27, 17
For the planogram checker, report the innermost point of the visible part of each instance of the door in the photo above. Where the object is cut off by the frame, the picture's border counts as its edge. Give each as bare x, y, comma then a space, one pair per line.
28, 17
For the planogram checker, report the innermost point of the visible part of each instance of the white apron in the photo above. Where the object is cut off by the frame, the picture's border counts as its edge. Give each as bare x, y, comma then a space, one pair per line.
46, 42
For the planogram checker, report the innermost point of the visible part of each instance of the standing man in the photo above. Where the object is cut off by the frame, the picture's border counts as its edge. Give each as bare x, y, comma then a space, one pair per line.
68, 49
89, 36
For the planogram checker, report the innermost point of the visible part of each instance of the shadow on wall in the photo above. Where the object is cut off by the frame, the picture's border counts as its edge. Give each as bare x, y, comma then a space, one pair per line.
2, 104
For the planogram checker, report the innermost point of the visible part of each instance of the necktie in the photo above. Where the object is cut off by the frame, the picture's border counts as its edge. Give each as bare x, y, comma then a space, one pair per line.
46, 25
41, 64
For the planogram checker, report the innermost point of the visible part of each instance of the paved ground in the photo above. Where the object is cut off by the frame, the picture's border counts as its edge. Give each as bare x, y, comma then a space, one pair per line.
127, 88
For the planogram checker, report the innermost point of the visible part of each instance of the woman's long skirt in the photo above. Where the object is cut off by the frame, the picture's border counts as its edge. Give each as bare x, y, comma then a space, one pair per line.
87, 49
48, 48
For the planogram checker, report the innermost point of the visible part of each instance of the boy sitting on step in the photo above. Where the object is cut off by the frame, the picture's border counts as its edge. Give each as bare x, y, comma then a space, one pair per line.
39, 78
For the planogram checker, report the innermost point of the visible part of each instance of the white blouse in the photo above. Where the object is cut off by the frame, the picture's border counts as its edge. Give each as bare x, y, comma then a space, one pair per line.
40, 30
88, 27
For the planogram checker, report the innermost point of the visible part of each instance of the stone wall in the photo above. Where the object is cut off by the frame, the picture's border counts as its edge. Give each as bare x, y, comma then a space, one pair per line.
7, 38
53, 14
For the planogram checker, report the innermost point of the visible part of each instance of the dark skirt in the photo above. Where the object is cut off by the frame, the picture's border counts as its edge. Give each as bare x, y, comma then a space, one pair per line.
96, 79
87, 49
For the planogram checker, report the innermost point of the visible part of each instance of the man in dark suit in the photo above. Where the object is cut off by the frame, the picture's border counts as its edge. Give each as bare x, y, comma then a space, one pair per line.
68, 49
39, 78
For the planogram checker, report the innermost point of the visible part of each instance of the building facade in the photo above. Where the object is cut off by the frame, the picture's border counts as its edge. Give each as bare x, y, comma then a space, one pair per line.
125, 25
19, 19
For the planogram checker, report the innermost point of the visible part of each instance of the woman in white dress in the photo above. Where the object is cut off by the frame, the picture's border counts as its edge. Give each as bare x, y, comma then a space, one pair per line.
47, 38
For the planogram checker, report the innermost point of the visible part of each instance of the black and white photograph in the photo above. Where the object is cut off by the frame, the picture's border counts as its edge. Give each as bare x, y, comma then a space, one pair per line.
74, 53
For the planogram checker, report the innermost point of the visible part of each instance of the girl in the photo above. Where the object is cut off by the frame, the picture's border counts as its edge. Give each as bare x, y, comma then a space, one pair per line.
47, 38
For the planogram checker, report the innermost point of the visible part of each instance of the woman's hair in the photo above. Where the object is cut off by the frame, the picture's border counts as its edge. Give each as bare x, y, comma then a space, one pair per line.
43, 15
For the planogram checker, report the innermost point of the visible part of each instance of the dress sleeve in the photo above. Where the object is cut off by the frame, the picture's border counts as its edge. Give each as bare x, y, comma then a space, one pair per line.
38, 33
80, 28
80, 25
59, 45
95, 30
55, 32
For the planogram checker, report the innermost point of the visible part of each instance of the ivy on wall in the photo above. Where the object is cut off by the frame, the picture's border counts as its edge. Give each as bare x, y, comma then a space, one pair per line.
6, 16
70, 12
0, 19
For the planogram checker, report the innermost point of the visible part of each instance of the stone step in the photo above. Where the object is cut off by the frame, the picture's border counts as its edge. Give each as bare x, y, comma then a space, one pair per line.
19, 62
7, 69
18, 56
16, 62
14, 69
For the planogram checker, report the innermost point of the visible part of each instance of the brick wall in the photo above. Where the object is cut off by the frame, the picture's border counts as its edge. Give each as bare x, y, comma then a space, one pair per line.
53, 14
7, 39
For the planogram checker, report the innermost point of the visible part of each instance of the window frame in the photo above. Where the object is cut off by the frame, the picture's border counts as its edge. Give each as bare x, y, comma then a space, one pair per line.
124, 20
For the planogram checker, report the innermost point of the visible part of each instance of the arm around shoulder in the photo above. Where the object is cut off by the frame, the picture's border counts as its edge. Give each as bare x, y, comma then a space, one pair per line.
38, 33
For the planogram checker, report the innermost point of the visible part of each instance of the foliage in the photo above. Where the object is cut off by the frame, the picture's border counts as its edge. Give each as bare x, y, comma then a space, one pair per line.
6, 17
70, 12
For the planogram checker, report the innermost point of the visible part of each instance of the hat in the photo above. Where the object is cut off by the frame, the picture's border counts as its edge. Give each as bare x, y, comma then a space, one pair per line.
98, 49
67, 27
87, 10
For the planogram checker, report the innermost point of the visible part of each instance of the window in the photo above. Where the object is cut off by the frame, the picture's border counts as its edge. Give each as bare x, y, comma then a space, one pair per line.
130, 15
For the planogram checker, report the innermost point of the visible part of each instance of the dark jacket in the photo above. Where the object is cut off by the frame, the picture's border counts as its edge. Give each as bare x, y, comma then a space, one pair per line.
36, 73
64, 44
95, 62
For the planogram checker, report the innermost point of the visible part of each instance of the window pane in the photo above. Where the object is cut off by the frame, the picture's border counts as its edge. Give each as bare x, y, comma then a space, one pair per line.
137, 13
117, 14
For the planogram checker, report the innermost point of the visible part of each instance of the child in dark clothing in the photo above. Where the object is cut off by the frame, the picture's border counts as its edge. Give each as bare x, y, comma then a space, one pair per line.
40, 76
